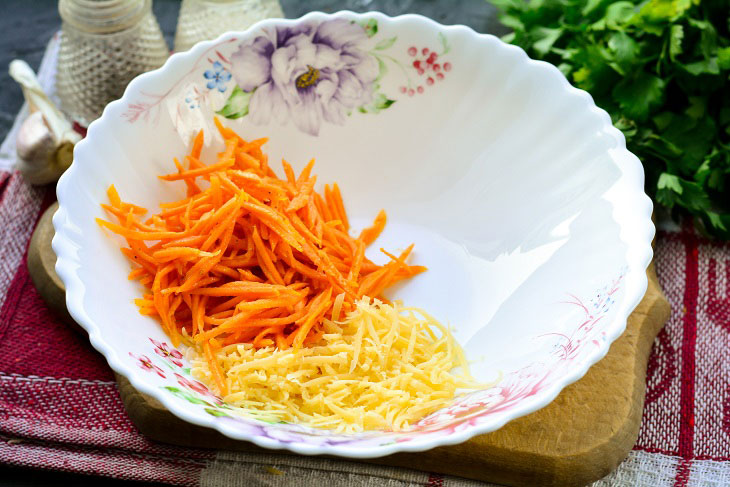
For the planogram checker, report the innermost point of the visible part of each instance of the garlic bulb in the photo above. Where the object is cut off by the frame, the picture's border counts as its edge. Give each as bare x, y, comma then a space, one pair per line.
46, 138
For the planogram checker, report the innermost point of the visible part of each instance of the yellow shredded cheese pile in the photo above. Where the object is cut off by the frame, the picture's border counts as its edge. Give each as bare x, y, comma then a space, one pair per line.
383, 367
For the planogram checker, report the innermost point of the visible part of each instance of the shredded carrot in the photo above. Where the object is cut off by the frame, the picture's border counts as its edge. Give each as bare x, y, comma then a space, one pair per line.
251, 258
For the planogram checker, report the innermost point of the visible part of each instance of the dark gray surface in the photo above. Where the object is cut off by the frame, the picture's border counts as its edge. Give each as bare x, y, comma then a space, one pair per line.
27, 25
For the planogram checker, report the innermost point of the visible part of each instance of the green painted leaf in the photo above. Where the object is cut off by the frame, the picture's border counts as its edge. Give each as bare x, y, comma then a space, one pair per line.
216, 412
445, 45
187, 396
385, 43
194, 400
381, 102
237, 104
382, 71
370, 26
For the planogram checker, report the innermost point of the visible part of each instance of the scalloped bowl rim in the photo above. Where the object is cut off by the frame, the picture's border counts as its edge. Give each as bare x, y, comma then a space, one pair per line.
638, 255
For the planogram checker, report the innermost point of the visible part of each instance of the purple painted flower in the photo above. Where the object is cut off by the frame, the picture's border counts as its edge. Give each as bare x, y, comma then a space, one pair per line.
309, 73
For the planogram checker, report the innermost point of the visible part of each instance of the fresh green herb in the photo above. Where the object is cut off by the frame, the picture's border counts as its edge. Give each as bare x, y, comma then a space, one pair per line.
661, 69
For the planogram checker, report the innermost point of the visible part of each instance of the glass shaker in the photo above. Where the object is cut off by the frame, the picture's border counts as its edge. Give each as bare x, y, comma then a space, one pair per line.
202, 20
104, 44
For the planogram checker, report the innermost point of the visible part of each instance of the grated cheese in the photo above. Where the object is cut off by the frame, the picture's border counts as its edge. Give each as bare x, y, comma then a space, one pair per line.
383, 367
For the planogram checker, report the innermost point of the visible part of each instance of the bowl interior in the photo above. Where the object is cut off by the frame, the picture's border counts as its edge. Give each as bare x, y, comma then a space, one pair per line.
520, 198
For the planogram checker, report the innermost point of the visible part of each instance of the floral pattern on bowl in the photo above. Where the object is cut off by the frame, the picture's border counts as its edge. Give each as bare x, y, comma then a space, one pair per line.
309, 74
466, 411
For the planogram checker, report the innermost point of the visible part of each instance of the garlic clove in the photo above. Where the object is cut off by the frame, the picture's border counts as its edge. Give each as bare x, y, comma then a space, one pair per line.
35, 139
46, 138
42, 159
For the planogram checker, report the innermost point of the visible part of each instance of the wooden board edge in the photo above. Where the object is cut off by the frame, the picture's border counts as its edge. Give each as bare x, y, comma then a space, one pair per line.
41, 261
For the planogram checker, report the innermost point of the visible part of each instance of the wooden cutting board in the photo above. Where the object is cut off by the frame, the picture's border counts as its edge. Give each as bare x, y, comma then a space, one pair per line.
578, 438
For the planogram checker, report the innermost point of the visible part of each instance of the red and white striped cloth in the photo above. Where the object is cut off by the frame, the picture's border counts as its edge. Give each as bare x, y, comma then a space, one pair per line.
60, 409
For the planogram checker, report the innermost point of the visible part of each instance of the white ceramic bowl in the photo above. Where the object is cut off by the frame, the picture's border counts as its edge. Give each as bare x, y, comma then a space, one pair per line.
518, 192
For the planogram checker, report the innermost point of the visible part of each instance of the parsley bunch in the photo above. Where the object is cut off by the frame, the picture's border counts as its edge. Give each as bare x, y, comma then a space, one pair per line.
661, 69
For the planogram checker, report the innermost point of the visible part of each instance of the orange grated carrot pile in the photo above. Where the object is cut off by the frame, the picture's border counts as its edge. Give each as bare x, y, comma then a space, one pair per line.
251, 258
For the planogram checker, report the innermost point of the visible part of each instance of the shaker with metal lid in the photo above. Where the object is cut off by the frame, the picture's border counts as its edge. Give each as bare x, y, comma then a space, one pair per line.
104, 45
202, 20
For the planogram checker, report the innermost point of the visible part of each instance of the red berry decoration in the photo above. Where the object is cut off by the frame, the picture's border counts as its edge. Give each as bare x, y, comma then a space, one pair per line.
412, 51
433, 56
429, 81
424, 51
420, 71
417, 64
439, 76
436, 67
403, 89
420, 89
447, 66
411, 92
